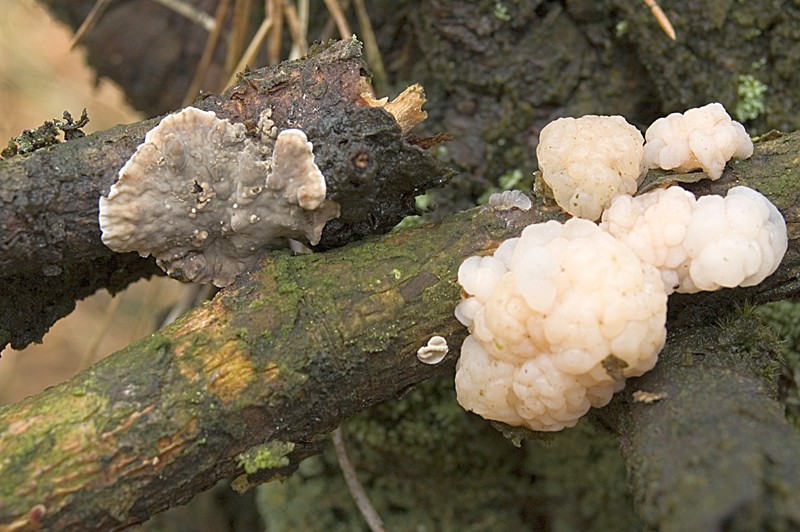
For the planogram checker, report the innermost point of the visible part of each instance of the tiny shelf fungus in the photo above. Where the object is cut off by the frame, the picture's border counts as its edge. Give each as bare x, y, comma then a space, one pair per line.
562, 315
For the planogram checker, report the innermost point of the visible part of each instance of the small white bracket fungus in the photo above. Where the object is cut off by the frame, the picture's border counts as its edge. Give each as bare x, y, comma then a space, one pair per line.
546, 312
703, 138
434, 352
587, 161
701, 244
206, 201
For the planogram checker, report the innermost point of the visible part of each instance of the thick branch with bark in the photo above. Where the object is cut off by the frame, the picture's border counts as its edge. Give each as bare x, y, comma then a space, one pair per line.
50, 248
249, 382
283, 356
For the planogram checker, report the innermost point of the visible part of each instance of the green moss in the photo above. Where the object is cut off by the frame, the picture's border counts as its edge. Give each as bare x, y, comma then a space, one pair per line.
581, 481
266, 456
750, 102
257, 304
501, 11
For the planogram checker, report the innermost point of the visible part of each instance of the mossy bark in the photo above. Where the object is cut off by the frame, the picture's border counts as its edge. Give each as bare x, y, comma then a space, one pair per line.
717, 452
283, 356
304, 342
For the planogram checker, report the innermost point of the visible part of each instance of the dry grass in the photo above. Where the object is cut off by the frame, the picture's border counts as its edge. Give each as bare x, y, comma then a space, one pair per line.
39, 79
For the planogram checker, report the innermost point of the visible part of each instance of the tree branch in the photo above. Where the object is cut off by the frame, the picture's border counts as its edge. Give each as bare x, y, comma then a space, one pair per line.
282, 356
50, 248
249, 382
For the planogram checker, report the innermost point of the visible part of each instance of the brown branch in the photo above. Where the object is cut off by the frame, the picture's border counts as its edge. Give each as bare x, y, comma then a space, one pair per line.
50, 248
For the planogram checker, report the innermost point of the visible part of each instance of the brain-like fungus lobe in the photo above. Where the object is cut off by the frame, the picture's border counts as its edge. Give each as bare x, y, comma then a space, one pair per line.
587, 161
206, 200
558, 317
701, 244
704, 138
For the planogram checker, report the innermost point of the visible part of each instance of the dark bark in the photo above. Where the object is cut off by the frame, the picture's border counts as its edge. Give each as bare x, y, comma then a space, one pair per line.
144, 47
496, 73
48, 199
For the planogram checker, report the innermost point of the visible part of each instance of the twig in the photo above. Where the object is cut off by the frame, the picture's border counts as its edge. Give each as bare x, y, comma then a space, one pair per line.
374, 58
327, 31
90, 351
662, 19
239, 27
208, 52
89, 22
274, 11
190, 12
303, 7
360, 496
295, 30
252, 49
338, 15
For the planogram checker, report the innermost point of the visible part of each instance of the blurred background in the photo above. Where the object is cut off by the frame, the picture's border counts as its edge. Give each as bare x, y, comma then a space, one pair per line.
40, 78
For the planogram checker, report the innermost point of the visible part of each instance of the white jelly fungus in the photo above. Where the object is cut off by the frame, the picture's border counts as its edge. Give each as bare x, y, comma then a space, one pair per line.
549, 313
510, 199
206, 200
705, 243
587, 161
704, 138
434, 351
562, 315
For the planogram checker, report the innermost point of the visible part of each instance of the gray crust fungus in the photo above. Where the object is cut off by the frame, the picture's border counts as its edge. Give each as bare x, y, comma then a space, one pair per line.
206, 201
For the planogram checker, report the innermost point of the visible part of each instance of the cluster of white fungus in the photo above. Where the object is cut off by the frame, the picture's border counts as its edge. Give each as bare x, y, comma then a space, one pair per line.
701, 244
552, 314
587, 161
560, 316
703, 138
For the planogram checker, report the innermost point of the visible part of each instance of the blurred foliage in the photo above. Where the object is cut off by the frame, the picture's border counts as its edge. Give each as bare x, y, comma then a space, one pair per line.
784, 318
429, 465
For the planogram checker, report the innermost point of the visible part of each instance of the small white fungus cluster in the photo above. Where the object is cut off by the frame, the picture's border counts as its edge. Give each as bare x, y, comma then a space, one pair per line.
703, 138
701, 244
559, 317
587, 161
